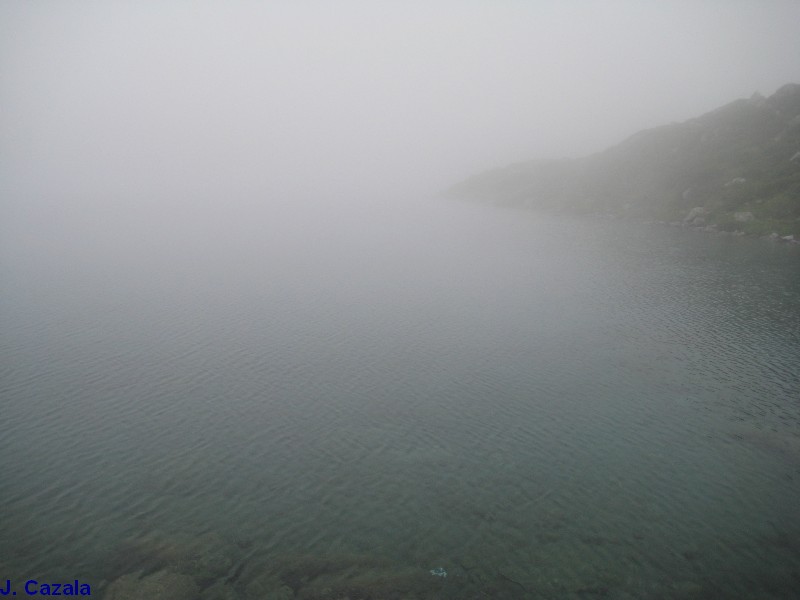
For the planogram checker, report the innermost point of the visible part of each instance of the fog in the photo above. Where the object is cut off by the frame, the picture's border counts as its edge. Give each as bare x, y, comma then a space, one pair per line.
248, 350
193, 104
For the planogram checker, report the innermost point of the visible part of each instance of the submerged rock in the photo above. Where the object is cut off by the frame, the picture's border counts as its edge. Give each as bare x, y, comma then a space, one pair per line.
267, 585
205, 559
220, 591
335, 577
162, 585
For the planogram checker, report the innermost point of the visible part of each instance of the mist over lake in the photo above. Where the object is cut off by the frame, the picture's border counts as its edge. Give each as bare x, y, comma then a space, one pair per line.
536, 404
249, 351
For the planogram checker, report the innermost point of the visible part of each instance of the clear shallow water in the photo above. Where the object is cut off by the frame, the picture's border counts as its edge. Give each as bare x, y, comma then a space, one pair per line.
329, 404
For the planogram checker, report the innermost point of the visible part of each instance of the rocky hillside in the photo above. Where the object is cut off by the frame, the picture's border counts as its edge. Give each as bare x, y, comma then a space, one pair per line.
736, 168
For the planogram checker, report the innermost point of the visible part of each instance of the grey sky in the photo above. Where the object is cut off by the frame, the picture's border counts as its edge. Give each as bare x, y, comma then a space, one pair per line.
182, 97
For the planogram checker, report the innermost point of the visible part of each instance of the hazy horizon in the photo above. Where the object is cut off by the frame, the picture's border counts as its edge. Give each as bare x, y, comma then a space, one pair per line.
150, 100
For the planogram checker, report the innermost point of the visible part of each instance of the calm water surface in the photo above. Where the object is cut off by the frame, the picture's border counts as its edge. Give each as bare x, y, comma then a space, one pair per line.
319, 403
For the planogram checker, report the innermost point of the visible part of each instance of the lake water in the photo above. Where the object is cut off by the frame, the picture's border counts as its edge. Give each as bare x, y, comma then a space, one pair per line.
308, 402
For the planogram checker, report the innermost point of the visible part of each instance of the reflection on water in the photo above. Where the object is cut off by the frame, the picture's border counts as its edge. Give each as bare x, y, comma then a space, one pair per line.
333, 405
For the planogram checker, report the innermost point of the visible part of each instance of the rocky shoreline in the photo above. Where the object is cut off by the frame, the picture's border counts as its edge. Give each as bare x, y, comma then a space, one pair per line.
696, 219
738, 166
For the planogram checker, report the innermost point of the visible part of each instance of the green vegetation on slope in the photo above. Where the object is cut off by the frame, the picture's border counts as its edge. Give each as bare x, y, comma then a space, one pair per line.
739, 165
